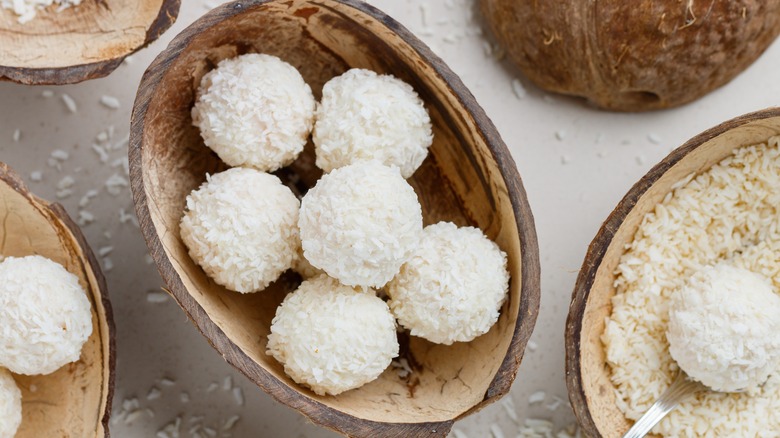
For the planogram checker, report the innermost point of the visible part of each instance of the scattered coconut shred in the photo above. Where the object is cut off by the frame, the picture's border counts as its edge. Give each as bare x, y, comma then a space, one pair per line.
27, 9
729, 214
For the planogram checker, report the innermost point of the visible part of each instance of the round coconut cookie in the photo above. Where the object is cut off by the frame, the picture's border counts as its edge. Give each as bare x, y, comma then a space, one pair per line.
452, 286
240, 227
10, 405
45, 315
360, 223
332, 338
255, 111
724, 328
364, 116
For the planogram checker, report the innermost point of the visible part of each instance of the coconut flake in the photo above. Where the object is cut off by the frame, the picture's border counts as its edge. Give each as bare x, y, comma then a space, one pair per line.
110, 102
70, 104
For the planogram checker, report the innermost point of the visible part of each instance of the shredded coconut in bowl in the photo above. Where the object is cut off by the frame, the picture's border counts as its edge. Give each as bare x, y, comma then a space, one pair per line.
255, 111
366, 116
724, 328
727, 214
332, 338
452, 287
240, 227
45, 315
360, 223
10, 405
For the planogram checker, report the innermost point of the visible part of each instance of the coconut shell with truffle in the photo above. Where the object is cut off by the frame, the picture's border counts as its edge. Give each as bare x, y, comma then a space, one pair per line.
75, 400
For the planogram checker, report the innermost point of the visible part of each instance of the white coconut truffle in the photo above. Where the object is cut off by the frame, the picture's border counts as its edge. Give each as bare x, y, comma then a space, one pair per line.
363, 115
452, 287
724, 328
332, 338
45, 315
10, 405
302, 266
240, 227
254, 111
360, 223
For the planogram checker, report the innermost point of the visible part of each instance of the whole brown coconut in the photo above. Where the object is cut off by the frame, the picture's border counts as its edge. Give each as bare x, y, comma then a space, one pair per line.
633, 55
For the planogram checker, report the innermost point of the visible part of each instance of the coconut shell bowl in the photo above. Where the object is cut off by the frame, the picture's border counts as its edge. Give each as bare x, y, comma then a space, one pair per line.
469, 178
591, 392
80, 42
74, 401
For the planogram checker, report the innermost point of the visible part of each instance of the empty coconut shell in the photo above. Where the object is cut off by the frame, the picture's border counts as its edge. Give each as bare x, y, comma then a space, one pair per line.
81, 42
74, 401
633, 56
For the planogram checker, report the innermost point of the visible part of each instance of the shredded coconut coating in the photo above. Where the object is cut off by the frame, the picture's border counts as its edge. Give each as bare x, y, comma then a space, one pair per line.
452, 287
10, 405
255, 111
240, 227
45, 315
365, 116
360, 223
729, 213
302, 266
332, 338
724, 328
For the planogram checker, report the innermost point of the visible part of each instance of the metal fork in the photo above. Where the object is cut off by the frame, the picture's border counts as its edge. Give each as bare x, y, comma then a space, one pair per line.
682, 388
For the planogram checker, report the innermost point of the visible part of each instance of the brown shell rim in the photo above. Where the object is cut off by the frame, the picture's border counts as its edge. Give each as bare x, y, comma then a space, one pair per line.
73, 74
13, 179
316, 411
598, 248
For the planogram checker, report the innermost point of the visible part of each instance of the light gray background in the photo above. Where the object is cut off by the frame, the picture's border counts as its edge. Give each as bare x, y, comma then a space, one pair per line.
576, 163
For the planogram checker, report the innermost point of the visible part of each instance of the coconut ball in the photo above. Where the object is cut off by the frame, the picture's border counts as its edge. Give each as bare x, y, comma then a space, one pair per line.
724, 328
360, 223
452, 286
254, 111
240, 227
363, 116
302, 266
10, 405
331, 337
45, 315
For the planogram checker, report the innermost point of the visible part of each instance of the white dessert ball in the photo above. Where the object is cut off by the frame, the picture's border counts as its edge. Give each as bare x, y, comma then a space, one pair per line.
724, 328
240, 227
10, 405
452, 286
255, 111
302, 266
45, 315
360, 223
332, 338
363, 116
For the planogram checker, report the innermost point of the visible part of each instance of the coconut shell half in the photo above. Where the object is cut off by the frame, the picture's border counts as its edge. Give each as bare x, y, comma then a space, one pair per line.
81, 42
74, 401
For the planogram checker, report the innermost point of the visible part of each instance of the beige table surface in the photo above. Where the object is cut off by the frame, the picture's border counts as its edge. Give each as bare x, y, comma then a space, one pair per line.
576, 163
